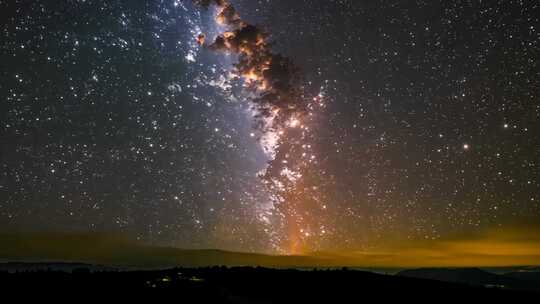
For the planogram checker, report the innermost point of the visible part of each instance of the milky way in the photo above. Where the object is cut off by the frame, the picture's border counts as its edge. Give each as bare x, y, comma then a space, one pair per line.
281, 111
273, 126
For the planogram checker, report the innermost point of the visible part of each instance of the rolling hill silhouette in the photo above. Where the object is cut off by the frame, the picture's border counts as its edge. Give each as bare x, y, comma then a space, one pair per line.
475, 277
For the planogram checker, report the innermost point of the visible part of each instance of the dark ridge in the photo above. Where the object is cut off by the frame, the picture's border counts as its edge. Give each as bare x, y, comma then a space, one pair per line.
246, 285
471, 276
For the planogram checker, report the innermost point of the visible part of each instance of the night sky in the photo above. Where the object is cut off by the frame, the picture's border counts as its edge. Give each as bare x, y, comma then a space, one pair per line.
363, 124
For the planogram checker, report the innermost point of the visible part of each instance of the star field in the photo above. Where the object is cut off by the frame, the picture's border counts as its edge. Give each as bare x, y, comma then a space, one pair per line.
422, 123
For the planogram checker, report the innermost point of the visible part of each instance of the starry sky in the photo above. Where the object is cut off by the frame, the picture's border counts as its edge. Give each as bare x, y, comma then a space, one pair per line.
403, 121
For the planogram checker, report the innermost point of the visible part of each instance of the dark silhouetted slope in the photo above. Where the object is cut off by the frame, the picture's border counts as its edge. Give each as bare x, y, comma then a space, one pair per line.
246, 285
470, 276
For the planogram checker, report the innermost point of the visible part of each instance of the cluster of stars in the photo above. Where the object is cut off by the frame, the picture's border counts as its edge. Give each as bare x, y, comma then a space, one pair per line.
422, 123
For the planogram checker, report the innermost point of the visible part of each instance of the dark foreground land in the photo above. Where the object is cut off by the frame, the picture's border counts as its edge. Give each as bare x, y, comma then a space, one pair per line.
247, 285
